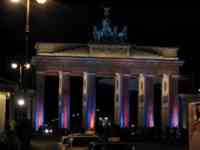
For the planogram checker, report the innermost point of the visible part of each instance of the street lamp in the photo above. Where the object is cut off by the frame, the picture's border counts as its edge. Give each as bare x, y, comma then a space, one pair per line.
15, 1
21, 67
27, 26
21, 102
41, 1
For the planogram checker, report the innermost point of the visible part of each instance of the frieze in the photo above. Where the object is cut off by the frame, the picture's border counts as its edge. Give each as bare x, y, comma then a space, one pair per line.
109, 66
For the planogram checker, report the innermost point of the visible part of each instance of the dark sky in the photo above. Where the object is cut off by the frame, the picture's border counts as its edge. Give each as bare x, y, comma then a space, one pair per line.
161, 24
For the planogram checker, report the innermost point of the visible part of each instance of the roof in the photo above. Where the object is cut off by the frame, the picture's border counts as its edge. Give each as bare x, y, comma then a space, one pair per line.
106, 50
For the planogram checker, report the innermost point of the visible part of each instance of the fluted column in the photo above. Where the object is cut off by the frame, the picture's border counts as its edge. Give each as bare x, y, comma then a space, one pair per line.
146, 101
39, 102
121, 109
89, 100
64, 100
170, 104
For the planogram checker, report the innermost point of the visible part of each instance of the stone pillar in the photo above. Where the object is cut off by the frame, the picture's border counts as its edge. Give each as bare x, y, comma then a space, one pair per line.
183, 105
2, 111
89, 100
170, 105
39, 102
64, 100
121, 109
146, 101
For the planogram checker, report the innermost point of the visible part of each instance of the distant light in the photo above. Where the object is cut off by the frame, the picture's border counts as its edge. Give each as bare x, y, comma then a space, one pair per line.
46, 131
41, 1
132, 126
106, 118
73, 115
133, 147
100, 118
199, 90
21, 102
15, 1
50, 131
97, 110
77, 114
14, 65
132, 133
27, 66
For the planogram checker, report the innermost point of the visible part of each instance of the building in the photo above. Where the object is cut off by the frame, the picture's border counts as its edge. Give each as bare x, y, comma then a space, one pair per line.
109, 55
7, 88
148, 65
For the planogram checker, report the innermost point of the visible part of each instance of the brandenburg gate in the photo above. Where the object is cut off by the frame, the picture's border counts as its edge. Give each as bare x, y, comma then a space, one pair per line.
119, 61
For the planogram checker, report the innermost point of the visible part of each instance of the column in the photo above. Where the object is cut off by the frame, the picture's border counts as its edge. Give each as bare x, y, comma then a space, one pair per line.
39, 102
89, 100
121, 109
146, 101
2, 111
64, 100
170, 105
183, 111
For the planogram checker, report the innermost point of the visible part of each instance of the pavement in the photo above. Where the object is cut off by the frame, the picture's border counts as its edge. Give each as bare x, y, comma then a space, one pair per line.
158, 146
51, 143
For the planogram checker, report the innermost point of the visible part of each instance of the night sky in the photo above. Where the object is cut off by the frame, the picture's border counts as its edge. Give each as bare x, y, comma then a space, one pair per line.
154, 24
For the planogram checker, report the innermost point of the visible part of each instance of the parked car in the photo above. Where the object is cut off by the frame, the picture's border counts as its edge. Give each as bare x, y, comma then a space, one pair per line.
76, 142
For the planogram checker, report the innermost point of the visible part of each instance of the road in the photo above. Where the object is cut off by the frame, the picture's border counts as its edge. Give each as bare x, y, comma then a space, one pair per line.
44, 143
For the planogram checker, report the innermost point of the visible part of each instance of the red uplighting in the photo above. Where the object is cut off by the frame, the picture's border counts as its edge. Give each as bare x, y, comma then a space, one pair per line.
92, 120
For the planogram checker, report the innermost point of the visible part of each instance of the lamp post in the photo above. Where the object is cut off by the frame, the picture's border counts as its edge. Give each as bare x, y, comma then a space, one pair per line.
21, 107
26, 66
27, 26
21, 67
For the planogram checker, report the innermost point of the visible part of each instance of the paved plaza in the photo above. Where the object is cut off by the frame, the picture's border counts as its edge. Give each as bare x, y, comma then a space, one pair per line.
51, 143
44, 143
